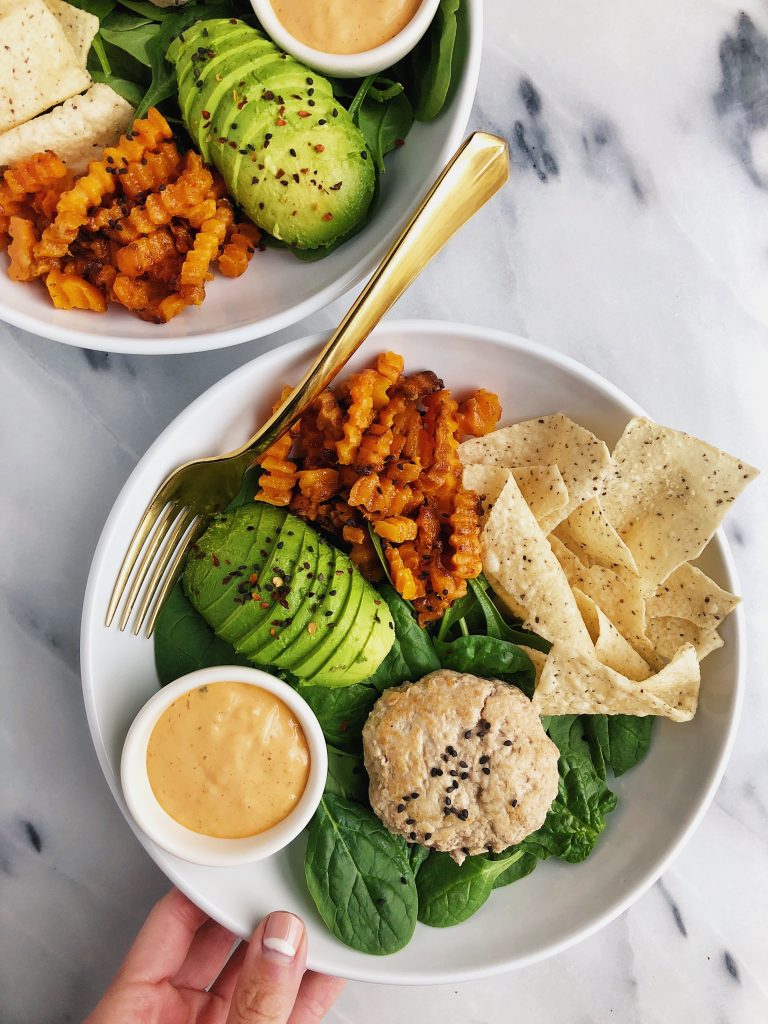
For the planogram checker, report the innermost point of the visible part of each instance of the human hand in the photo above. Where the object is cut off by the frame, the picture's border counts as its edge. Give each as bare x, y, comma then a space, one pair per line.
177, 972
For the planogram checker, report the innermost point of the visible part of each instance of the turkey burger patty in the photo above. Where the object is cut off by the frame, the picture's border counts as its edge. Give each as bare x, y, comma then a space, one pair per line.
459, 764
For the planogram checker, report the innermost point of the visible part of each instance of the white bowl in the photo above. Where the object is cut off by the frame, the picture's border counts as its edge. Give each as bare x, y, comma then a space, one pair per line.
174, 838
660, 801
277, 290
348, 65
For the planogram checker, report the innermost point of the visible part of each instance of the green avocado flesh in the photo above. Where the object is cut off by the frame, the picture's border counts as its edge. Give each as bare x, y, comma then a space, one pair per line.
281, 595
290, 154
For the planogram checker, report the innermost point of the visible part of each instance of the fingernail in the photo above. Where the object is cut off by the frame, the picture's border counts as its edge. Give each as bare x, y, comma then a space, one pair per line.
282, 936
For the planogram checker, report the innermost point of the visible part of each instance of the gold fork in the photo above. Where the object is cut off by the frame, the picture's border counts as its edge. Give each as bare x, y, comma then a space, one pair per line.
181, 506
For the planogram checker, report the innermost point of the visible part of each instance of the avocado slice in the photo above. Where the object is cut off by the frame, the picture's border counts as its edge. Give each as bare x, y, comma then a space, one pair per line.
332, 628
310, 584
290, 154
366, 644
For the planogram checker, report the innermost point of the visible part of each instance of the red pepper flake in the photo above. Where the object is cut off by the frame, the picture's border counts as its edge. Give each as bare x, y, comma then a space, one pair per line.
319, 148
312, 628
399, 143
206, 114
281, 122
343, 726
328, 216
253, 578
303, 113
265, 605
279, 172
215, 561
256, 597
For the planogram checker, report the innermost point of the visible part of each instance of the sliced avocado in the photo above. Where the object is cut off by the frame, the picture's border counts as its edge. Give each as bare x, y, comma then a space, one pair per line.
316, 178
366, 644
252, 617
299, 584
312, 580
333, 628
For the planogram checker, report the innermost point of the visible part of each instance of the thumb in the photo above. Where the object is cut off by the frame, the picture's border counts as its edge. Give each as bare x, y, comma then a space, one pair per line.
272, 970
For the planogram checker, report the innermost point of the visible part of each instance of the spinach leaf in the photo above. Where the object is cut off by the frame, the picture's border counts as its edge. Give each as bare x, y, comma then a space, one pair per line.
412, 655
341, 711
385, 124
360, 878
432, 61
568, 732
577, 816
417, 854
597, 735
357, 100
144, 7
487, 656
629, 738
450, 893
133, 37
498, 627
377, 547
101, 8
128, 90
518, 869
346, 776
184, 642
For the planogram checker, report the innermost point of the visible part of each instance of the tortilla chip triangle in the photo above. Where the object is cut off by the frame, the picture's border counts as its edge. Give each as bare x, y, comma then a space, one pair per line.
573, 683
690, 594
667, 494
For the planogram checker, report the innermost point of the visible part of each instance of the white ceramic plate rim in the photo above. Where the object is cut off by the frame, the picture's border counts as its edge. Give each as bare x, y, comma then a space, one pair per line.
110, 342
93, 612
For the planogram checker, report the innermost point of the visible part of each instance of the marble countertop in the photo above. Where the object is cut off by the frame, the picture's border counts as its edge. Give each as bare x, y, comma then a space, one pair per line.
633, 237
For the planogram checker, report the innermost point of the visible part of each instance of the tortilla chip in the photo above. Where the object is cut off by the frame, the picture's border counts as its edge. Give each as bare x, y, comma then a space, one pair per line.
668, 634
611, 648
38, 67
79, 27
520, 564
541, 486
582, 458
576, 684
77, 130
538, 658
588, 533
667, 494
690, 594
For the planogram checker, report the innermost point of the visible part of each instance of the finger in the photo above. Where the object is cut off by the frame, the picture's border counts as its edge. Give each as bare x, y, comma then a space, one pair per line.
206, 957
162, 944
224, 985
317, 994
273, 966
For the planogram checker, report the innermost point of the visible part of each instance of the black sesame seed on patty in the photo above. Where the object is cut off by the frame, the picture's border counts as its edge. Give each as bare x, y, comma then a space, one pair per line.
486, 770
464, 814
427, 835
463, 764
410, 821
400, 808
435, 772
507, 743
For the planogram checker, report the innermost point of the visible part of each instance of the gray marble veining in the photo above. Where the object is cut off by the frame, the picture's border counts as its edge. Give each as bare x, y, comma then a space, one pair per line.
634, 237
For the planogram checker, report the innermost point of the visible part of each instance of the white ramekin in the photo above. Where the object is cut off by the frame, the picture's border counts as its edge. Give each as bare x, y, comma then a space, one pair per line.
348, 65
183, 842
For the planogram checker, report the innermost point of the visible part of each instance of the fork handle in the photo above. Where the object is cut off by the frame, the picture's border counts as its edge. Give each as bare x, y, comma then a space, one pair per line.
474, 174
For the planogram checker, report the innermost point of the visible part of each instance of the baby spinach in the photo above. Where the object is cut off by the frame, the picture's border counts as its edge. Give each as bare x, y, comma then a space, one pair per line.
412, 655
577, 816
432, 61
518, 868
341, 711
184, 642
629, 737
417, 855
360, 878
385, 124
487, 656
346, 776
449, 893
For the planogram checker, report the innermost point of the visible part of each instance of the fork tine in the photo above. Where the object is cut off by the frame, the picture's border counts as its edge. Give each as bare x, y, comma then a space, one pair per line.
175, 570
164, 523
141, 533
180, 527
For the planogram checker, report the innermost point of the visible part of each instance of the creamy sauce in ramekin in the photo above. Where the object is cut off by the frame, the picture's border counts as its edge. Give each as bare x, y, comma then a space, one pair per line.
228, 760
345, 26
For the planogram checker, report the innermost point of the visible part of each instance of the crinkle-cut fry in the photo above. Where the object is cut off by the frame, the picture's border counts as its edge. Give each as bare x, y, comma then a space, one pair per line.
464, 521
133, 292
440, 445
138, 257
479, 414
240, 247
70, 291
406, 583
174, 200
100, 180
169, 307
379, 495
396, 529
374, 448
353, 534
310, 441
153, 169
389, 366
330, 418
192, 294
359, 416
36, 172
318, 484
207, 244
21, 249
277, 482
364, 555
204, 211
45, 200
9, 204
